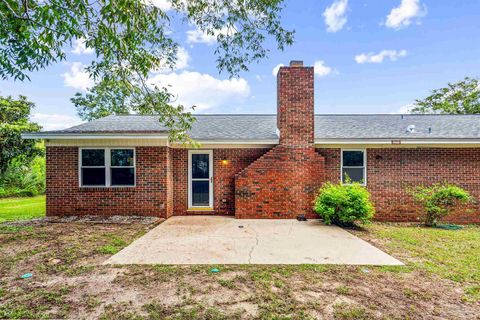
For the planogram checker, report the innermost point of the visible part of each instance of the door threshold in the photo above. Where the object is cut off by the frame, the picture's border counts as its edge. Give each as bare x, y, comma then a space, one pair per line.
200, 209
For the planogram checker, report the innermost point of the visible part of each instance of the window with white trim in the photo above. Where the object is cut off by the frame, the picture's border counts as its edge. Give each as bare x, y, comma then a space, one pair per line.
354, 166
107, 167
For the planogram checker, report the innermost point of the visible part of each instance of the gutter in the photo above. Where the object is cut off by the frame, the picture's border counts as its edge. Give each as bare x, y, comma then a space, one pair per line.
160, 136
81, 136
400, 141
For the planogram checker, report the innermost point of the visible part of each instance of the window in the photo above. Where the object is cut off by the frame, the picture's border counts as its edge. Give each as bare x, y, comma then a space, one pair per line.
107, 167
354, 166
93, 167
122, 168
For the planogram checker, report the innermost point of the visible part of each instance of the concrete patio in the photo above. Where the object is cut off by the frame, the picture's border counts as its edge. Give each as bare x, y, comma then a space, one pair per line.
225, 240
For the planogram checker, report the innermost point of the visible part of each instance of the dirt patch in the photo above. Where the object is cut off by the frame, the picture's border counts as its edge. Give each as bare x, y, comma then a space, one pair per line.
70, 282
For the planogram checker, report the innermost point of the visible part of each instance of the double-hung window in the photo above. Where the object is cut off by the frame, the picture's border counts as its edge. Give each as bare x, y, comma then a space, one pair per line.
107, 167
354, 166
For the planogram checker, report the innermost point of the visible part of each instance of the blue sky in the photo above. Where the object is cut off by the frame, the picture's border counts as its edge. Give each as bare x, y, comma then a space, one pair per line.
371, 56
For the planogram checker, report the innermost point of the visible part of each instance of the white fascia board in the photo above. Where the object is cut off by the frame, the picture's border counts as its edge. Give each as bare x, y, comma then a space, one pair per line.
346, 141
442, 141
237, 141
394, 141
216, 144
52, 136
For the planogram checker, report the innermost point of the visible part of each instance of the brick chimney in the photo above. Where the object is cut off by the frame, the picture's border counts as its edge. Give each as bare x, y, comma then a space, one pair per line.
295, 114
283, 182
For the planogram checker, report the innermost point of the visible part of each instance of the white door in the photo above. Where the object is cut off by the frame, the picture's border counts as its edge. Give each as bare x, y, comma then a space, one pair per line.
200, 179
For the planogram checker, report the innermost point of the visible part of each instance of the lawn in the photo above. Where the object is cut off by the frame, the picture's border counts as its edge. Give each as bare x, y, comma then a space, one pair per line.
452, 255
22, 208
441, 279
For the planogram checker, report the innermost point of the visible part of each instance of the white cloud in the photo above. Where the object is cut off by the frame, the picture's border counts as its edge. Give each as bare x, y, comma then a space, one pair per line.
77, 77
183, 58
183, 61
401, 16
335, 15
258, 77
405, 109
199, 36
80, 48
372, 57
203, 90
321, 69
277, 67
163, 5
55, 121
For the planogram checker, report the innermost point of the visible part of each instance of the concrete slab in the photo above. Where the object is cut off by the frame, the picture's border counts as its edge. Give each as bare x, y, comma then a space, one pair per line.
224, 240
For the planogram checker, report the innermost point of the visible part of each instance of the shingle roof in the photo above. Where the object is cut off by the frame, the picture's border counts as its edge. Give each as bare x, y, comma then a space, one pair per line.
329, 126
395, 126
111, 124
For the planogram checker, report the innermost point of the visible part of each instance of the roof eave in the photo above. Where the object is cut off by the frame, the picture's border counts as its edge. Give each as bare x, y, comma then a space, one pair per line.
396, 141
51, 135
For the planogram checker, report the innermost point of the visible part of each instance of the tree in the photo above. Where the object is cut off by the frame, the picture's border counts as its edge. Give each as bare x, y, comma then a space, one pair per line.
14, 119
131, 38
462, 97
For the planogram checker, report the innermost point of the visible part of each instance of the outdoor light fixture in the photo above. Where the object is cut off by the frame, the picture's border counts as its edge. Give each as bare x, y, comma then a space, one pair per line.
224, 161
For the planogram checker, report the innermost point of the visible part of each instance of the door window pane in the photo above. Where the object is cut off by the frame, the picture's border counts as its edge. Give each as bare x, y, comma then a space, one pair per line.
200, 193
123, 176
200, 166
93, 176
354, 174
122, 157
353, 158
93, 157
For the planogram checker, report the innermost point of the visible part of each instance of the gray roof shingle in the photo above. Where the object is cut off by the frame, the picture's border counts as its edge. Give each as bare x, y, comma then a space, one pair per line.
383, 126
328, 126
118, 124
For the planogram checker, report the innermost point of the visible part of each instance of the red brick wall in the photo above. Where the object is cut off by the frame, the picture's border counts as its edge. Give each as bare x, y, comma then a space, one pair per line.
65, 197
170, 172
281, 184
223, 174
391, 171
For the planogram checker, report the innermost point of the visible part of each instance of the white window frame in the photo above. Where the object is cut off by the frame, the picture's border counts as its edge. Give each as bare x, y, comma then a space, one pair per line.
210, 178
364, 183
107, 167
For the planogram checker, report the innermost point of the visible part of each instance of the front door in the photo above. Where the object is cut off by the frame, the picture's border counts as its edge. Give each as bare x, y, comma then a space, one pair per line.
200, 179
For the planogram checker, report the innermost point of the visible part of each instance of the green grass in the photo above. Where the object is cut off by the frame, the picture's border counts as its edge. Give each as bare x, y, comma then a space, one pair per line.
115, 244
451, 254
22, 208
346, 312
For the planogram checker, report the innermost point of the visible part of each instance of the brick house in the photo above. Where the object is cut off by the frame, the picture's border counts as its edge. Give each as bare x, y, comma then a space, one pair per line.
259, 166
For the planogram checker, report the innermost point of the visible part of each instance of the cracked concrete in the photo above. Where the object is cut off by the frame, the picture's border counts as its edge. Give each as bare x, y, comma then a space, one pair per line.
253, 247
225, 240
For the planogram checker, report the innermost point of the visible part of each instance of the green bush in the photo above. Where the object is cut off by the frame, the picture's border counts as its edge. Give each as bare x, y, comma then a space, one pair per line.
439, 200
344, 204
23, 180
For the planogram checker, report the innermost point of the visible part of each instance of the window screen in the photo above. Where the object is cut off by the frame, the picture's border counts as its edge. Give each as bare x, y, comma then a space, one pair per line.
107, 167
353, 166
122, 168
93, 167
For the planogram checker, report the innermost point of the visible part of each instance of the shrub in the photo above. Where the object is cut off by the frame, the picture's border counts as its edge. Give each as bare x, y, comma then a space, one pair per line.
344, 204
439, 200
22, 180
